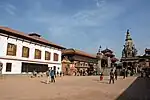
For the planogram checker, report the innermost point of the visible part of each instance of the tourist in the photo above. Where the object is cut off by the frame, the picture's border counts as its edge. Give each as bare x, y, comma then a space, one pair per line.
34, 74
124, 73
60, 73
52, 74
48, 76
116, 74
57, 73
1, 68
101, 76
111, 76
142, 73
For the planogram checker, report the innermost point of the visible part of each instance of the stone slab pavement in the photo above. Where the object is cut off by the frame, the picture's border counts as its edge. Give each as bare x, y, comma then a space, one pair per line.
65, 88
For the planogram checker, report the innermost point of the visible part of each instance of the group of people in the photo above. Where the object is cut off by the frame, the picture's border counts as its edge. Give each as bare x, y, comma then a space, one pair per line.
145, 72
51, 75
113, 76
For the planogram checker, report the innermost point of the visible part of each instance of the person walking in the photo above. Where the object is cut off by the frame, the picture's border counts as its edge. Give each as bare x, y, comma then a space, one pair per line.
52, 74
124, 73
1, 68
116, 74
48, 76
111, 76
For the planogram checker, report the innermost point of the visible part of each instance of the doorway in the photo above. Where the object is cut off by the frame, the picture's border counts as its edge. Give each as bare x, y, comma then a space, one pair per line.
30, 67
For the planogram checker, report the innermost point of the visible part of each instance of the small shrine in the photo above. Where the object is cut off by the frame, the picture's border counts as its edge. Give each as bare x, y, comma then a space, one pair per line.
111, 59
106, 60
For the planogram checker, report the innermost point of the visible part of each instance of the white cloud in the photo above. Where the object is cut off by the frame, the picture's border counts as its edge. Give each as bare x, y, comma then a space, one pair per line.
72, 29
100, 3
9, 8
11, 12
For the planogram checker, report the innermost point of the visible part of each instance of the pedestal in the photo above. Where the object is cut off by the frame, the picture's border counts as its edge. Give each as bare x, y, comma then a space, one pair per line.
99, 67
108, 62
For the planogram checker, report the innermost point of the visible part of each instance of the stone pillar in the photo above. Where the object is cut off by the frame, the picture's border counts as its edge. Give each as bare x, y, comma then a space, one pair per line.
147, 63
99, 65
108, 62
136, 68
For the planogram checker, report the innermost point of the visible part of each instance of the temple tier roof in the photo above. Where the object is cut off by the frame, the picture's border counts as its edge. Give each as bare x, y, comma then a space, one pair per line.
107, 50
114, 59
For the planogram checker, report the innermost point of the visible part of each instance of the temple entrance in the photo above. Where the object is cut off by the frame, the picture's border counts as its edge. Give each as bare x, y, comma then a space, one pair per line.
30, 67
124, 64
90, 70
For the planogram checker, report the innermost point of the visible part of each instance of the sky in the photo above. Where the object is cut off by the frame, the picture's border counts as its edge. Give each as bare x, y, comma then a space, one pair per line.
81, 24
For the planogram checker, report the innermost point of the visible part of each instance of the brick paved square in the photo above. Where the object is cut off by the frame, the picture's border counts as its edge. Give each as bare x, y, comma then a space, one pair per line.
65, 88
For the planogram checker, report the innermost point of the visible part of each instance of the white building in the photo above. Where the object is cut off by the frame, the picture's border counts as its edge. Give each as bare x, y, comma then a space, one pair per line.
23, 53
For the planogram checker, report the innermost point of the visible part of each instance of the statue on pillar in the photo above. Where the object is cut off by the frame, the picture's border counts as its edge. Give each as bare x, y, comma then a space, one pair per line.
99, 56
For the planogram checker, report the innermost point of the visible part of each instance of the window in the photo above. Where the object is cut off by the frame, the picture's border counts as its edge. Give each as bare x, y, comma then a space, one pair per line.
25, 52
8, 67
55, 57
11, 49
47, 55
37, 54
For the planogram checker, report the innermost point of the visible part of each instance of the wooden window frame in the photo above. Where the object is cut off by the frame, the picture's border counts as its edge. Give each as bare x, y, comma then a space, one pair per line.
56, 57
49, 55
13, 52
23, 55
35, 55
8, 69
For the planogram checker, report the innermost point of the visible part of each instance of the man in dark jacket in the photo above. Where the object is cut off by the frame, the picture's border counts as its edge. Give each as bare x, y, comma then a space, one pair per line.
111, 76
116, 74
52, 74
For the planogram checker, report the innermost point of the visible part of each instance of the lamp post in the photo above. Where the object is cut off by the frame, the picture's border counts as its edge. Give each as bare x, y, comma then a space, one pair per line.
99, 57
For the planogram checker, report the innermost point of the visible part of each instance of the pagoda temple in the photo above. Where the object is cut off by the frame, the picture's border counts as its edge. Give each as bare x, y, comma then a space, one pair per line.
106, 60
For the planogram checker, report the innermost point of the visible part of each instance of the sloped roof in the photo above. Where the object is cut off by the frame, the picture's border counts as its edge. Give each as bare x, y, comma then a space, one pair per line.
107, 50
147, 49
26, 36
78, 52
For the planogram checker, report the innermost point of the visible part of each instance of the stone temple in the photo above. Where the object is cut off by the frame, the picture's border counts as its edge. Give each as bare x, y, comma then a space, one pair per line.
129, 53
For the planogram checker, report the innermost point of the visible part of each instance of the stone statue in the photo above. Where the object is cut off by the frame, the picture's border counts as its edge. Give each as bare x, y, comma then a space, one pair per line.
134, 51
124, 52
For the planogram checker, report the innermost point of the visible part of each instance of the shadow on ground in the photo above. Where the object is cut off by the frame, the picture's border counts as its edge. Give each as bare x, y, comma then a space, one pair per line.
104, 81
44, 82
138, 90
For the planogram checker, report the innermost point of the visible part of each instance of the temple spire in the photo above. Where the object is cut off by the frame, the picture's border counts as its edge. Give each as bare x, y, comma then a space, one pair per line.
99, 51
128, 37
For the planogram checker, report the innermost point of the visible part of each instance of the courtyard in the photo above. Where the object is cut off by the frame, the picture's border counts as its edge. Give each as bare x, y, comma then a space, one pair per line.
70, 88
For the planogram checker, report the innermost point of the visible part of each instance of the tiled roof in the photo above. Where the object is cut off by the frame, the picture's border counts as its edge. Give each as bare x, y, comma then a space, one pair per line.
21, 34
147, 49
107, 50
75, 51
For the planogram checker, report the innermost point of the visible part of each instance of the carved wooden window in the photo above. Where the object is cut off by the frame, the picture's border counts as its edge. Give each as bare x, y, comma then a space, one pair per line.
56, 57
25, 52
47, 55
11, 49
8, 67
37, 54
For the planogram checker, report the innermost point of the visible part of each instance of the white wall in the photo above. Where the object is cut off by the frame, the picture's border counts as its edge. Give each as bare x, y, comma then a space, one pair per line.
16, 65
